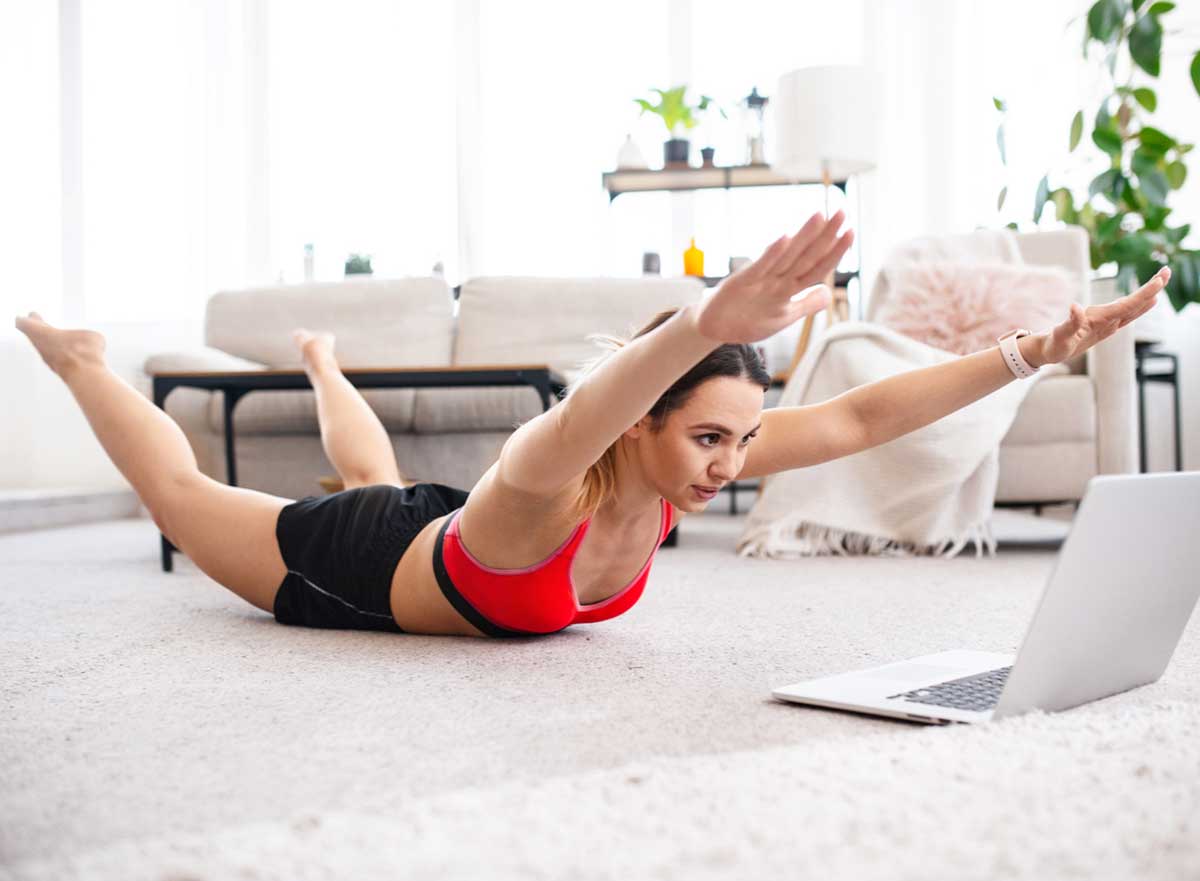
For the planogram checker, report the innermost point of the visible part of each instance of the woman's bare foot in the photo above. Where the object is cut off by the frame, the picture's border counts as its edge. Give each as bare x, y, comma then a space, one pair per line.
62, 350
315, 348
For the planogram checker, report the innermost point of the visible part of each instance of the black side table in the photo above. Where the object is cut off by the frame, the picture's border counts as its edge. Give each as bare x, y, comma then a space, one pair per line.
1145, 356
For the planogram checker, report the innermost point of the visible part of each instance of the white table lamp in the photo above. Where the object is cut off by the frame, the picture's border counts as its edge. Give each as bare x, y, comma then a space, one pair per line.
826, 123
827, 129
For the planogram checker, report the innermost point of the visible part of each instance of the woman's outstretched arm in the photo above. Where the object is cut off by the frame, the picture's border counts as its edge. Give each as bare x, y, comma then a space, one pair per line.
873, 414
550, 451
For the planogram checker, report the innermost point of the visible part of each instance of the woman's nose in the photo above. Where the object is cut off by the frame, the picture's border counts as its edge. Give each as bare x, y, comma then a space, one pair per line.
724, 467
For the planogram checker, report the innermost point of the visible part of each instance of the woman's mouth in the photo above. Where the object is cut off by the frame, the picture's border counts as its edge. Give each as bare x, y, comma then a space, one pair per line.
705, 492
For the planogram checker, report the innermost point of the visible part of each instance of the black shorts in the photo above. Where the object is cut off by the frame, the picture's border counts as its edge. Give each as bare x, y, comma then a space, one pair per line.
341, 551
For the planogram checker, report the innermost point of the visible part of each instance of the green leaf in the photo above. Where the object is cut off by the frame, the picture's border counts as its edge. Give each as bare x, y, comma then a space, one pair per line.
1145, 43
1144, 162
1064, 205
1130, 248
1195, 70
1146, 98
1145, 270
1000, 144
1108, 141
1104, 19
1111, 184
1160, 8
1155, 216
1178, 234
1108, 228
1000, 199
1176, 174
1154, 185
1184, 286
1076, 130
1000, 104
1039, 200
1086, 217
1155, 141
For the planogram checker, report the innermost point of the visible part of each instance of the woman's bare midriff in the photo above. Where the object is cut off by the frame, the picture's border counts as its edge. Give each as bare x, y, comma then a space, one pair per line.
418, 604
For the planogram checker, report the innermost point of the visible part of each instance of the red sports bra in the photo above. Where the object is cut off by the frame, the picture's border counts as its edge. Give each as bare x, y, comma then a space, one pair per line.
534, 600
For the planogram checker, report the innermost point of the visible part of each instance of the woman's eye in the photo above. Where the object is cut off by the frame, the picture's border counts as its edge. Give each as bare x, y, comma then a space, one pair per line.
704, 437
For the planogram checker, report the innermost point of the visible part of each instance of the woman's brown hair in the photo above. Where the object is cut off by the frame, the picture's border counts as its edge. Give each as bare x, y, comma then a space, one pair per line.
737, 360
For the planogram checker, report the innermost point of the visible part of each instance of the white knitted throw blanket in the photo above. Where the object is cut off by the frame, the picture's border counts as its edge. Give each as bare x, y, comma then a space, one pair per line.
930, 492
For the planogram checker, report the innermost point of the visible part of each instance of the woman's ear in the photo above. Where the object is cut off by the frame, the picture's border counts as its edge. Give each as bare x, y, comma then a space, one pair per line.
639, 428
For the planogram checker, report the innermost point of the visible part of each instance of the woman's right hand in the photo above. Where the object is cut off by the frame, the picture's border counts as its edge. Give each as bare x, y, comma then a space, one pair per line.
756, 302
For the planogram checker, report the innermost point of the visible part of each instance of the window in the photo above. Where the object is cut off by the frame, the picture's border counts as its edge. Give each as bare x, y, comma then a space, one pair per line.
361, 141
30, 164
143, 159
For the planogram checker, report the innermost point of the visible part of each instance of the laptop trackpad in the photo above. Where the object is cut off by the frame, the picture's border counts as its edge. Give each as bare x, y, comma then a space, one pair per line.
908, 672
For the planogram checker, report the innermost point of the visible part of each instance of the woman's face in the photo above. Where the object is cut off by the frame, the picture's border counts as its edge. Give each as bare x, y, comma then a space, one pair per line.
702, 445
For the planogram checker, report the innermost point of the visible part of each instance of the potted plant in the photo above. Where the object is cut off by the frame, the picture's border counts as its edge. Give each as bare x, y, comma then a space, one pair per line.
358, 264
1125, 211
678, 116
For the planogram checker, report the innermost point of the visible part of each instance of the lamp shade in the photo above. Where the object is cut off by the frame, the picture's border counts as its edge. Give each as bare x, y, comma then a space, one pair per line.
826, 117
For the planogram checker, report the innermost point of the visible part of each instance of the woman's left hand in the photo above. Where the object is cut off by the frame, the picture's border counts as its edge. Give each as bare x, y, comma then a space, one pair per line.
1086, 327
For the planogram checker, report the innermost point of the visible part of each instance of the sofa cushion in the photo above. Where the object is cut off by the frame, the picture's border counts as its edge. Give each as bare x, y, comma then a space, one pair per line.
405, 322
523, 320
492, 408
295, 412
1057, 409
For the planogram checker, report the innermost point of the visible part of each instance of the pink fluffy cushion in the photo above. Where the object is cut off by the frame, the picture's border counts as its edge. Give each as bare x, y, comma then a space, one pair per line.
963, 307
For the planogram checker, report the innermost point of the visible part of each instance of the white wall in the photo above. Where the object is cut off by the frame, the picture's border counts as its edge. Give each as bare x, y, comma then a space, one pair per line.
45, 442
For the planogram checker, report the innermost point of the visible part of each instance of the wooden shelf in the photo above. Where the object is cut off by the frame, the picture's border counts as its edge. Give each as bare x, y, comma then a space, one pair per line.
684, 179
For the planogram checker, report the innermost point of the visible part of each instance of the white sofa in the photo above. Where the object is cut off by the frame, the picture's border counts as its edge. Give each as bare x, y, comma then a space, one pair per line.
1071, 427
445, 435
1081, 420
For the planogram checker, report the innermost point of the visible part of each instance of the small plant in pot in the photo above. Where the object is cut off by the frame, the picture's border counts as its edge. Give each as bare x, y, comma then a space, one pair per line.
358, 264
678, 116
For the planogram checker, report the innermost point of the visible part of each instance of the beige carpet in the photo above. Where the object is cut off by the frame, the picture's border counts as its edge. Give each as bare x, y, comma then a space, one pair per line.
154, 727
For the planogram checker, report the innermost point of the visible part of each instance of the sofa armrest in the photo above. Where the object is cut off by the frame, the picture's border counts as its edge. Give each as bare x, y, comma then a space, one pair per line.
201, 360
1111, 367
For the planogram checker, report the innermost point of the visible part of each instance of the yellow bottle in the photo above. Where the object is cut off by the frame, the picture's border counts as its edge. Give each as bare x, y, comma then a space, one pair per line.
693, 260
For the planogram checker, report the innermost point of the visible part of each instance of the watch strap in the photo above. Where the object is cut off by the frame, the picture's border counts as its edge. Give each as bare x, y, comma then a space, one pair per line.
1011, 352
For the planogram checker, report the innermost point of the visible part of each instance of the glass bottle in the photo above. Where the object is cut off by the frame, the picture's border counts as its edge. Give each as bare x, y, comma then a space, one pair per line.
693, 260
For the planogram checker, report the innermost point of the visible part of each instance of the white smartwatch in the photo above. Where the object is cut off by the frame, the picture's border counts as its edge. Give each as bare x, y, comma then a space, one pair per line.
1021, 368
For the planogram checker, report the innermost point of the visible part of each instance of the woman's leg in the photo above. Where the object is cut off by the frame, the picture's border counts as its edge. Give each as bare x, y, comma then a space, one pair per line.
354, 439
228, 532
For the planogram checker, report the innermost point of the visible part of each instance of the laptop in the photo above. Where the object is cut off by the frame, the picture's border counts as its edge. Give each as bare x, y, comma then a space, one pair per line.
1124, 585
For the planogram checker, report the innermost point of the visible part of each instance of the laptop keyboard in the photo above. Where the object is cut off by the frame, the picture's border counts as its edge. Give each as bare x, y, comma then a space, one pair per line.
978, 692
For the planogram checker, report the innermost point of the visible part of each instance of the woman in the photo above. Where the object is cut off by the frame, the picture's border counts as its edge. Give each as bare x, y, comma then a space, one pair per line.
648, 436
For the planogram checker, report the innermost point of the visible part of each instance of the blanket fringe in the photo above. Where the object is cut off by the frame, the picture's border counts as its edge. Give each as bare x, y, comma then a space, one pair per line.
793, 537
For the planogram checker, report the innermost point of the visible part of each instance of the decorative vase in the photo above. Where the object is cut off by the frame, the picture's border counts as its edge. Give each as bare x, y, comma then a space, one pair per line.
675, 153
629, 156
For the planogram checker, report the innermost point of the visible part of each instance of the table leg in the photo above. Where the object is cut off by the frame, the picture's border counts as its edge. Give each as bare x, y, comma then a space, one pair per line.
1178, 423
161, 388
230, 398
1141, 389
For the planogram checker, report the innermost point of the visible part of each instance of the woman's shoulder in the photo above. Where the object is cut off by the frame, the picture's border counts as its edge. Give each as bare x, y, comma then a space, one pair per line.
501, 523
